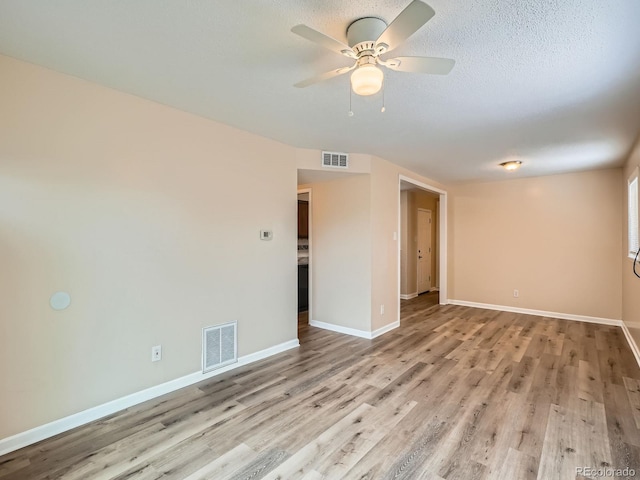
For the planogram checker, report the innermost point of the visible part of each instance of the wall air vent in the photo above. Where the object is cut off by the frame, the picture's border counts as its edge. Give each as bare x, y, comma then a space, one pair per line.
219, 346
335, 160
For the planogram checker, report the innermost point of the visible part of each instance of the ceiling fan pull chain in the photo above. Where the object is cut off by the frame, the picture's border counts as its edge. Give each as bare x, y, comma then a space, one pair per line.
350, 113
383, 107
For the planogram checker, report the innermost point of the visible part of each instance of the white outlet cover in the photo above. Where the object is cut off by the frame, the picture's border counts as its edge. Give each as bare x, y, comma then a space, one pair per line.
60, 300
156, 353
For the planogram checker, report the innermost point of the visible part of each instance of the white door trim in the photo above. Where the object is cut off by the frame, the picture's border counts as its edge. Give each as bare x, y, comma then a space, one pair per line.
442, 239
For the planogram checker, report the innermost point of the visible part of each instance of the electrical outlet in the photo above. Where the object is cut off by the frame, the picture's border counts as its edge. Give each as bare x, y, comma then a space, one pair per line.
156, 353
516, 293
266, 235
381, 309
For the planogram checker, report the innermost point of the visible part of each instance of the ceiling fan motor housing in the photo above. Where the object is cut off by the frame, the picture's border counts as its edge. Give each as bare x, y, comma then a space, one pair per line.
362, 34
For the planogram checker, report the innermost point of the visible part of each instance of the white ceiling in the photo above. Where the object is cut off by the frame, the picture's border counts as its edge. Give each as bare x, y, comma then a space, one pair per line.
554, 82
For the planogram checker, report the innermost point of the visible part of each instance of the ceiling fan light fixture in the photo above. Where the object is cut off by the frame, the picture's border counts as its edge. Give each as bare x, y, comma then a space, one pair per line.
511, 165
367, 80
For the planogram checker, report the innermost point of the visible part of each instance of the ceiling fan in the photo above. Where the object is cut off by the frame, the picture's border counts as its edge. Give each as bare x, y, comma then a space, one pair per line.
371, 37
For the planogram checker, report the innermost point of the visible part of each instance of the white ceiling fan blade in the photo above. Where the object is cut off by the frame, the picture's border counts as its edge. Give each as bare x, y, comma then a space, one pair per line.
406, 24
323, 40
323, 76
432, 65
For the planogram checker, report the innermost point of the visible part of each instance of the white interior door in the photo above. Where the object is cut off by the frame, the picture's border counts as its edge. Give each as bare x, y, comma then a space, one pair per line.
424, 250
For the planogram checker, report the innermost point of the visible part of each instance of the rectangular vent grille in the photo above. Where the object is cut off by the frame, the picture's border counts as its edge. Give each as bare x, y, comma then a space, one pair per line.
335, 159
219, 346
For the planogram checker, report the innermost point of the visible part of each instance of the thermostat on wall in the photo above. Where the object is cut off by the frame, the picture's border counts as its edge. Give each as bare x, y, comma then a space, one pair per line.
266, 234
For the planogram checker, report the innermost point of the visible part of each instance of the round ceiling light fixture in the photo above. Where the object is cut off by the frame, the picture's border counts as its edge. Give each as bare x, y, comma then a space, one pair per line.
367, 80
511, 165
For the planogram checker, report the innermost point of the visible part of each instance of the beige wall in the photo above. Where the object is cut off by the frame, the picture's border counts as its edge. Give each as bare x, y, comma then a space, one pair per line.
341, 251
385, 217
150, 219
630, 283
555, 239
384, 247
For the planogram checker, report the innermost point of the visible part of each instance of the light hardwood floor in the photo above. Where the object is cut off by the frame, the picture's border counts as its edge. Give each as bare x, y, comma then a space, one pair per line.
454, 393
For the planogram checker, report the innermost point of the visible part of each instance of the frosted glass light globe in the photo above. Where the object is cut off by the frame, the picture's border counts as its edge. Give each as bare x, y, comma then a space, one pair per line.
366, 80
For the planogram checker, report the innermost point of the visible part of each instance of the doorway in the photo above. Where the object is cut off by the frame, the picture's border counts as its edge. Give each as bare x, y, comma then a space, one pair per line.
304, 256
419, 202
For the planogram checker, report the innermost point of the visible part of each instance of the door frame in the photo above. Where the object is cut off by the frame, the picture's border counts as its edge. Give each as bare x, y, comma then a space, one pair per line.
442, 238
430, 246
310, 229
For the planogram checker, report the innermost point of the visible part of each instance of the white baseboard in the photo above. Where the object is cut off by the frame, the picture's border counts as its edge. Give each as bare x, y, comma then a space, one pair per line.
340, 329
540, 313
353, 331
42, 432
408, 296
385, 329
632, 343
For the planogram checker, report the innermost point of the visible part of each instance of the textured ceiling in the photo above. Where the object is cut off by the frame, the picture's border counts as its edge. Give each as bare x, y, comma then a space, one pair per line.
554, 82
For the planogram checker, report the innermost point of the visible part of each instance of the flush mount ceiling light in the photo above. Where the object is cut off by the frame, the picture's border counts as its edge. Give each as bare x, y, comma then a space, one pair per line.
511, 165
368, 39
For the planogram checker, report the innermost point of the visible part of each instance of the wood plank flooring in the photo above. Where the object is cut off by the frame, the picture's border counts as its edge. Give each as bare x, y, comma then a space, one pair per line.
454, 393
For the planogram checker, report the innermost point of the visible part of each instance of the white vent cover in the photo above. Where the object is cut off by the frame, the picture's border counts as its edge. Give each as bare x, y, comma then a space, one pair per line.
219, 346
335, 159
